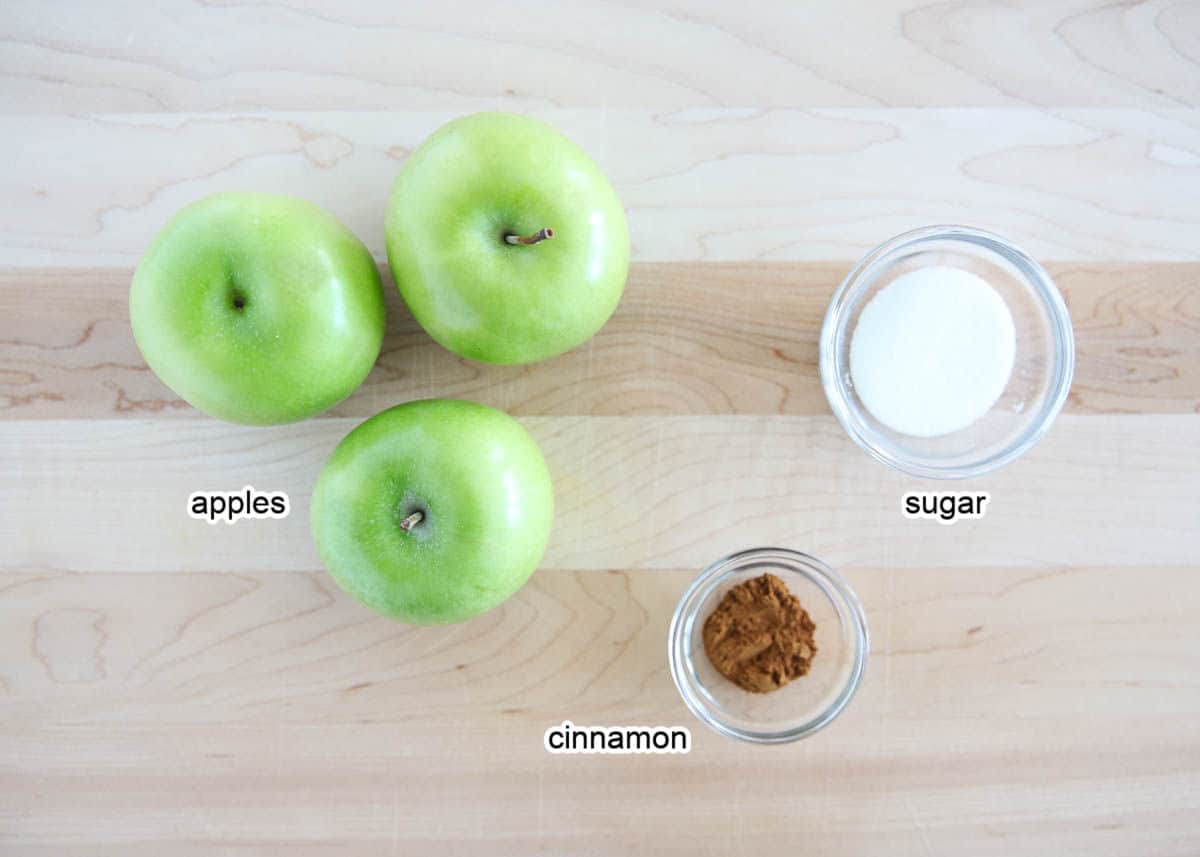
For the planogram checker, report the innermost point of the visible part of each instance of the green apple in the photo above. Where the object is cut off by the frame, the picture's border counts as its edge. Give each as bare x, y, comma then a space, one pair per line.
433, 511
258, 309
507, 242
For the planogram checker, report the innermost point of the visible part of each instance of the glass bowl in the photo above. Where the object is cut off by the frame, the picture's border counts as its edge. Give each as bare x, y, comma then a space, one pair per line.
804, 705
1042, 369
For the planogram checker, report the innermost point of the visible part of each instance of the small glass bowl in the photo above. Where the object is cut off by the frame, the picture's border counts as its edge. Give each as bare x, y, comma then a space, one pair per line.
805, 704
1042, 369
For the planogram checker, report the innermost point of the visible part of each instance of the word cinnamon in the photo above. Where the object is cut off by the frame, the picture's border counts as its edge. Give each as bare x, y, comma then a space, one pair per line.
759, 636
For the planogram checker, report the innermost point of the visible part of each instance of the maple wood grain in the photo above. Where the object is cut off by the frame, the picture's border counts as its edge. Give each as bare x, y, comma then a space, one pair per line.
170, 689
1013, 709
179, 57
779, 184
690, 339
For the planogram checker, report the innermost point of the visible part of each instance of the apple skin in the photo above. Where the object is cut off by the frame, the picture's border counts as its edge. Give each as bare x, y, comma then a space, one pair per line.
472, 182
483, 489
312, 317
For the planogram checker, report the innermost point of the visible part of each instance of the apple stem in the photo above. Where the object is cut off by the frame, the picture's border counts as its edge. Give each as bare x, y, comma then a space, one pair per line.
540, 235
411, 521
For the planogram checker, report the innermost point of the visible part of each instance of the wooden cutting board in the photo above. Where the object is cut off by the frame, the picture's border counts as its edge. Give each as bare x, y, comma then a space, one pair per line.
169, 688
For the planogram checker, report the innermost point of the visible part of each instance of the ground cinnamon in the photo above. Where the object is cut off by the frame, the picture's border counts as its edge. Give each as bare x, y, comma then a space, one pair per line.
760, 637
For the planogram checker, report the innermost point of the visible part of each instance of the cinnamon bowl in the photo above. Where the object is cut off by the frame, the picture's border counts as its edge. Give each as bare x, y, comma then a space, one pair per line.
803, 706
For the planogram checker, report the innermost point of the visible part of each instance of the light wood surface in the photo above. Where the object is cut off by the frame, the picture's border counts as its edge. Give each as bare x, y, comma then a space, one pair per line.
635, 493
699, 183
167, 688
175, 56
696, 339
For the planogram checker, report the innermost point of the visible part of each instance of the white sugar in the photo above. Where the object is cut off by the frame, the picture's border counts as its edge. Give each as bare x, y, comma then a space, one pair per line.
932, 351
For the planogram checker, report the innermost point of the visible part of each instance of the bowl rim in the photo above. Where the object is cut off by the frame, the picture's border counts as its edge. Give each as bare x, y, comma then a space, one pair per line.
832, 584
836, 318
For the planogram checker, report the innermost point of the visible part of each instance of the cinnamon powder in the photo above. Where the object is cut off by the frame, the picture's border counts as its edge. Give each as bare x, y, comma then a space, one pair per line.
759, 637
